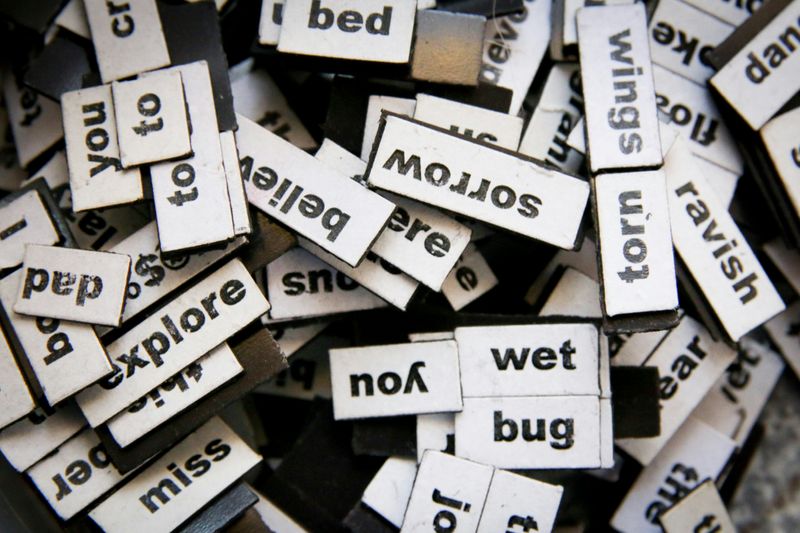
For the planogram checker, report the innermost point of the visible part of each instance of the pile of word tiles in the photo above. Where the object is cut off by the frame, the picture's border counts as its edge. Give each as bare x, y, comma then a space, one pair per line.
496, 266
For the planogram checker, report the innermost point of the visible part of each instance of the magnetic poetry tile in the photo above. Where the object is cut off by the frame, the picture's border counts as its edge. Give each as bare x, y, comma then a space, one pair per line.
311, 198
177, 393
25, 220
128, 38
530, 360
411, 378
514, 193
616, 70
700, 509
470, 278
151, 118
517, 501
178, 334
388, 492
694, 113
153, 276
301, 286
259, 98
191, 196
71, 284
365, 30
734, 403
28, 440
470, 121
447, 491
374, 274
513, 49
635, 242
435, 432
714, 250
679, 37
96, 176
689, 363
76, 475
534, 432
240, 210
694, 453
35, 120
17, 400
65, 356
213, 455
764, 73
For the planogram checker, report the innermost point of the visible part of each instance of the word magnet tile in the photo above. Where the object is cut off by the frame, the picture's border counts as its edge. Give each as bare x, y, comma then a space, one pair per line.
70, 284
152, 124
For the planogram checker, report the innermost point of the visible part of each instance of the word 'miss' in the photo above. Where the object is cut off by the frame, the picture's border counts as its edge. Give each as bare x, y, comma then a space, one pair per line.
714, 249
349, 29
430, 384
489, 184
621, 120
191, 474
173, 337
326, 207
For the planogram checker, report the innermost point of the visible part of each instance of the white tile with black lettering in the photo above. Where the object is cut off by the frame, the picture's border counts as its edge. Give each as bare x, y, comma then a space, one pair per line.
389, 491
448, 492
530, 360
163, 496
71, 284
396, 379
376, 105
96, 176
637, 264
128, 38
702, 509
28, 440
300, 285
365, 30
76, 475
714, 250
180, 332
65, 356
152, 124
478, 123
24, 221
515, 501
374, 274
764, 74
693, 112
780, 140
326, 207
421, 241
621, 122
470, 278
440, 168
696, 452
191, 195
689, 363
153, 276
513, 48
544, 432
681, 35
17, 400
177, 393
734, 403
